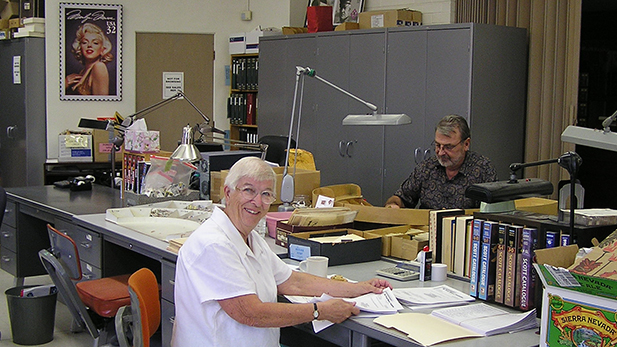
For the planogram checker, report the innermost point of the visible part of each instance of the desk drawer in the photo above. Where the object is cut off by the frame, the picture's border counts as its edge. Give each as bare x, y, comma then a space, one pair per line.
8, 238
9, 214
90, 272
168, 280
168, 314
88, 242
37, 213
8, 261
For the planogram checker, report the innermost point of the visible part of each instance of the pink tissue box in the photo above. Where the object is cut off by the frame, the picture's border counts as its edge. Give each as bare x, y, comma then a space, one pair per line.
142, 141
272, 218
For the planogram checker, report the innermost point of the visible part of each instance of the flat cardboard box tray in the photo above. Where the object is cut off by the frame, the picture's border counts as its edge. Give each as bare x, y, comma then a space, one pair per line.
283, 229
301, 247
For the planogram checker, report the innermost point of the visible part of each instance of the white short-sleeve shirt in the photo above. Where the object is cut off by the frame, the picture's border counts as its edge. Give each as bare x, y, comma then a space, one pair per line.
214, 264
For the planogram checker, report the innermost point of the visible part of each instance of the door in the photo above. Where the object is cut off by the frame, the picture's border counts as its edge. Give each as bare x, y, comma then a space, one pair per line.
192, 54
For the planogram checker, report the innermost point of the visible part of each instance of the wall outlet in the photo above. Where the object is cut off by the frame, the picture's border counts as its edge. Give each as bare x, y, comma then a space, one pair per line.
246, 15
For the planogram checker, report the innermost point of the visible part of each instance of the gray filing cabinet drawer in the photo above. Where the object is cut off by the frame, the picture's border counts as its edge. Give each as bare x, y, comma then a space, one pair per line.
9, 214
8, 238
8, 261
89, 244
168, 280
90, 272
167, 322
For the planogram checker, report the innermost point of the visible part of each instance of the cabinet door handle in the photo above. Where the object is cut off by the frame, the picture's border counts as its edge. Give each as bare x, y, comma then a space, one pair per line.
10, 131
349, 148
417, 155
86, 245
341, 149
172, 282
427, 154
87, 276
172, 319
6, 259
6, 234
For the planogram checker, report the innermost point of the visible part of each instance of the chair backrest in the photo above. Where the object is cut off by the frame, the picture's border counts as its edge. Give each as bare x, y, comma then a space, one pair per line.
277, 145
65, 250
2, 203
66, 287
145, 305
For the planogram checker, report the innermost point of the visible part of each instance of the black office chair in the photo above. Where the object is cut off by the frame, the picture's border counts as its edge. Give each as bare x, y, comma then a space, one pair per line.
277, 147
2, 203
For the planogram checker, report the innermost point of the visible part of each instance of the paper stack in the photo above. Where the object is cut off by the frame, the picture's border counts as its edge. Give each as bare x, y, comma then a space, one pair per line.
33, 27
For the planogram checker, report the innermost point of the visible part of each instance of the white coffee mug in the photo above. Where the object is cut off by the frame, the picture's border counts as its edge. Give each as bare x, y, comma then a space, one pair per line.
439, 272
316, 265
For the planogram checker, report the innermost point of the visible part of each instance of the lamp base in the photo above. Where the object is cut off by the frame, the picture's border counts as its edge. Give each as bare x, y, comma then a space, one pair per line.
496, 207
286, 207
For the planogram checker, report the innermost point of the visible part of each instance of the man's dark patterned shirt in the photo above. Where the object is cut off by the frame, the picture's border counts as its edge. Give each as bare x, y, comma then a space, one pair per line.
429, 183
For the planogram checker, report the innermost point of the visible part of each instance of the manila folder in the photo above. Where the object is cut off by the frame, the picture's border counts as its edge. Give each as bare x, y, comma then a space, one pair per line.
425, 329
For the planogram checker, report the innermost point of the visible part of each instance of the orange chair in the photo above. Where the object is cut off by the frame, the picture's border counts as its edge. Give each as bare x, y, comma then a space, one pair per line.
142, 319
102, 296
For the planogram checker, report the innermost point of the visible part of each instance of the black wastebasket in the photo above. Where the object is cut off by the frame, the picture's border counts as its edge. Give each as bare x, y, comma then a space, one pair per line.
32, 318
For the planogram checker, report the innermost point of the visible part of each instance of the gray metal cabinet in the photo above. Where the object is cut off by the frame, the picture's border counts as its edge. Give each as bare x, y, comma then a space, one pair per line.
477, 71
22, 119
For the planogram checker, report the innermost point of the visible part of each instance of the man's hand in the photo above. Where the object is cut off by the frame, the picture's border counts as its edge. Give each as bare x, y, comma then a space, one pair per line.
394, 202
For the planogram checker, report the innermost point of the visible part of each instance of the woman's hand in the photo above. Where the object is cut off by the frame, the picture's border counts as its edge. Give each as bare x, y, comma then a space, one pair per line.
336, 310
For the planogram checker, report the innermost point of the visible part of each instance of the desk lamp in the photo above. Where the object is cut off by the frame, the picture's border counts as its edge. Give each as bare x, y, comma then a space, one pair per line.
602, 139
287, 185
505, 192
186, 150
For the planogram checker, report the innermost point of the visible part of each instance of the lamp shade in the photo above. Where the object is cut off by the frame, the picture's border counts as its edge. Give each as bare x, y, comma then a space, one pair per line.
506, 190
186, 151
377, 119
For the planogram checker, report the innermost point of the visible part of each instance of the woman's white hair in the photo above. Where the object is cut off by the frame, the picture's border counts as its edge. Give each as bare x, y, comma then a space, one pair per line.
251, 167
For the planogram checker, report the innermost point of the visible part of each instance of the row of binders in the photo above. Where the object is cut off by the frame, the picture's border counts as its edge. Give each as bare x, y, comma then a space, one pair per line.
244, 71
496, 257
242, 108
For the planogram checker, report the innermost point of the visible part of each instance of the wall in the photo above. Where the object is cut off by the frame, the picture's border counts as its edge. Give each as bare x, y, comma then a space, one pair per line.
188, 16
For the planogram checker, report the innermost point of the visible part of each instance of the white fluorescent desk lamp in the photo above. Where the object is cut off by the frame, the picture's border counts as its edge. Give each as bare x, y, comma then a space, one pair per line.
287, 185
602, 139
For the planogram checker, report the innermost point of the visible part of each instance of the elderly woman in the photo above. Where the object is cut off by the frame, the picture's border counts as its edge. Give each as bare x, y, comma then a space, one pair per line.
228, 279
93, 49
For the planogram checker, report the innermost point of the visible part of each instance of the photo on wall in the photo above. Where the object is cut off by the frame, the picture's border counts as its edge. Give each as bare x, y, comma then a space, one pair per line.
90, 52
342, 10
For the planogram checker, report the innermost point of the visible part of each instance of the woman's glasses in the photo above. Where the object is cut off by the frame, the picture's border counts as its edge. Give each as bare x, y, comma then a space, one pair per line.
250, 193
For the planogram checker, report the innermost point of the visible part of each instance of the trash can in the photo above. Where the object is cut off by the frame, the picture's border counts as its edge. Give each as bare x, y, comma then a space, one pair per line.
32, 318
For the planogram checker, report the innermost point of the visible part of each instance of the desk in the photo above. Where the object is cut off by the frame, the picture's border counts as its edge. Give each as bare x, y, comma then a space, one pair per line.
107, 249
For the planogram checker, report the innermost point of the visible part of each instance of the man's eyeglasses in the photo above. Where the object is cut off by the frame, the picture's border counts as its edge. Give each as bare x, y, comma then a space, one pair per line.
250, 193
446, 148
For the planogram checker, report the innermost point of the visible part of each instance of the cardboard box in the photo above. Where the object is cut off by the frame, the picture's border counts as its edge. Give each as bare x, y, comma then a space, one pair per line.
142, 141
303, 245
283, 229
216, 184
574, 313
74, 148
237, 43
102, 146
389, 18
537, 205
386, 215
252, 39
388, 234
4, 24
304, 180
15, 23
294, 30
347, 26
407, 246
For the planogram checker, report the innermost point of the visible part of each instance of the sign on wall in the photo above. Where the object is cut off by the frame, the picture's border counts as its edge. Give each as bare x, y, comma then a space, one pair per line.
90, 52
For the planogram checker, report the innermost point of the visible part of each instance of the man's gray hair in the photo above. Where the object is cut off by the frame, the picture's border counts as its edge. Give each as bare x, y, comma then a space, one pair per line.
451, 122
251, 167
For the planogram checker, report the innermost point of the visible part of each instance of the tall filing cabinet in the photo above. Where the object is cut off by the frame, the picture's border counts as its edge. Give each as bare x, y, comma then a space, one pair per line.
23, 132
474, 70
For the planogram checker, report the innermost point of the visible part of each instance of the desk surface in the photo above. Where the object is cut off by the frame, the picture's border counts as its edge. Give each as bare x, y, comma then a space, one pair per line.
66, 202
366, 271
87, 209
